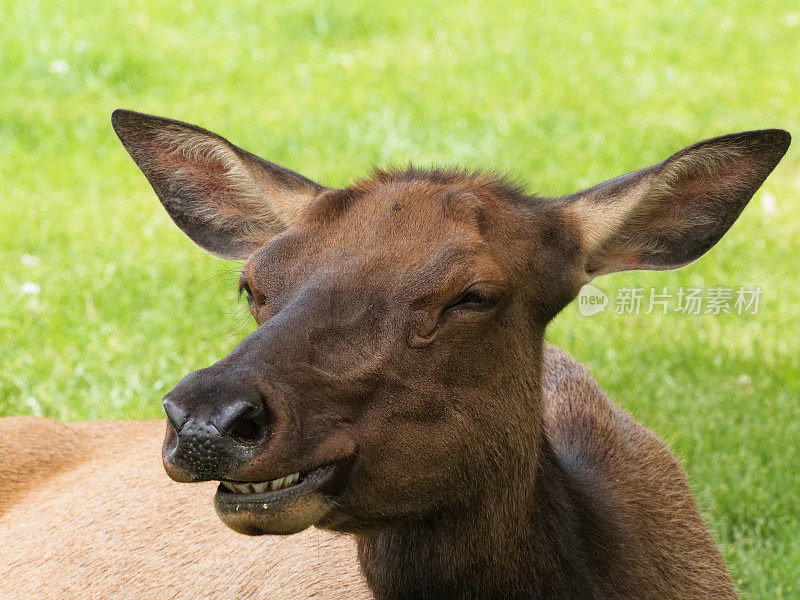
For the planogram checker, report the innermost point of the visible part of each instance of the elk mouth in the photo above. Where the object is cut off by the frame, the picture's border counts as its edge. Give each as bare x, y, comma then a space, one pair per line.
281, 506
263, 487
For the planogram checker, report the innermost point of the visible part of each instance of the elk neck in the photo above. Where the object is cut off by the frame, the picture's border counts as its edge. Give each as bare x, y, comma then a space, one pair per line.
522, 537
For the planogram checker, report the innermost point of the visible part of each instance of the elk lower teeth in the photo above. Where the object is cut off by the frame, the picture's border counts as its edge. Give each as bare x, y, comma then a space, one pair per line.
260, 488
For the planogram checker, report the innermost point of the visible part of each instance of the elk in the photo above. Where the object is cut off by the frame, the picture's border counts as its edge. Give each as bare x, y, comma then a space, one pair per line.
397, 388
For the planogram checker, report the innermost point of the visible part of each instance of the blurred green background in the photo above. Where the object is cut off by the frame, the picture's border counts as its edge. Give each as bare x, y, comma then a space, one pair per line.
104, 305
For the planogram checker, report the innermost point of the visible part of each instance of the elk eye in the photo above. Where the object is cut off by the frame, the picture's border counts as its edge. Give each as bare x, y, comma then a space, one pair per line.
245, 289
474, 298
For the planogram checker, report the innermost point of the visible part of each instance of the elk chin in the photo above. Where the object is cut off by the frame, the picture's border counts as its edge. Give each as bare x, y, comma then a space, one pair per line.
283, 518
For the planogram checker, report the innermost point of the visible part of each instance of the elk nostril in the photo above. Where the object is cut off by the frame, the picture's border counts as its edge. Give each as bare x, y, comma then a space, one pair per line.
175, 415
240, 420
246, 430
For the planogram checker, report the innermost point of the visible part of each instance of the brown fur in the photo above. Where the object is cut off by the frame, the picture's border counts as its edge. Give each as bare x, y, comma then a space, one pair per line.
87, 512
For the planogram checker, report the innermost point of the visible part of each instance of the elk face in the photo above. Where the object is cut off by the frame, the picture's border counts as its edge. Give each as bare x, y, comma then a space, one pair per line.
389, 327
394, 369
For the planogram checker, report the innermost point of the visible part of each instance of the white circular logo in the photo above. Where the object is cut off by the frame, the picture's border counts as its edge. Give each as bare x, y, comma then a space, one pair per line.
591, 300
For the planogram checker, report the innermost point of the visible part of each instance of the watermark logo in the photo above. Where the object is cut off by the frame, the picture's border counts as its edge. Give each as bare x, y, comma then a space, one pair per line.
684, 300
591, 300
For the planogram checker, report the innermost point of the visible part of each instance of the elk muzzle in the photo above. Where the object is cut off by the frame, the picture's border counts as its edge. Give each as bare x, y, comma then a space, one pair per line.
222, 427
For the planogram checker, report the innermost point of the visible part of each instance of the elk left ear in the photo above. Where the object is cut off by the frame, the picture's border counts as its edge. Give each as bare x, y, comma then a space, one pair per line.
225, 199
669, 214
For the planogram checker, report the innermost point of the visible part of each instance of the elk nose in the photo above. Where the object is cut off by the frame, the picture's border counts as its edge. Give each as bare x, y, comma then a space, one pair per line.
240, 420
213, 430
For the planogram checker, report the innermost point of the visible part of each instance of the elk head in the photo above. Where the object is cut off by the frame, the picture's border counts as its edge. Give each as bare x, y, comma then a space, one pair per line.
394, 372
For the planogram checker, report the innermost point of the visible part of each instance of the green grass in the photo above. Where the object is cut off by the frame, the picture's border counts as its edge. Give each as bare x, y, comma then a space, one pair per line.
565, 94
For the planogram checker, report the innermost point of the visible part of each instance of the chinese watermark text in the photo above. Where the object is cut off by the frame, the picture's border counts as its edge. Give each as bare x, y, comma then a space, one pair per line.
718, 300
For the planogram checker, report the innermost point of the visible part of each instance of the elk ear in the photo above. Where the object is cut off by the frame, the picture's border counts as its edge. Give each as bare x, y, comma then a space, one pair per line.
669, 214
225, 199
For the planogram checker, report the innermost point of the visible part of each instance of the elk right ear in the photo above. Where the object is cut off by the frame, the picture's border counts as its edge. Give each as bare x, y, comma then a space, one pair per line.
669, 214
228, 201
